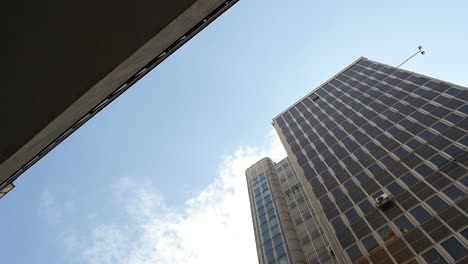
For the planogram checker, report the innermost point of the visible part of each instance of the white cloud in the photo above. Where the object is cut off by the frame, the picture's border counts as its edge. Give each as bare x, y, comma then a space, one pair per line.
215, 226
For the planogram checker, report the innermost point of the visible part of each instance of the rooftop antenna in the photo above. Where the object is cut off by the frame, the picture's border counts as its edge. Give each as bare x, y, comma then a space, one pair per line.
420, 50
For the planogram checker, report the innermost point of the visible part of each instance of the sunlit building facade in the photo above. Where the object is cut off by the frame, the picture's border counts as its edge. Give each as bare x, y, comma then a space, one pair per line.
379, 154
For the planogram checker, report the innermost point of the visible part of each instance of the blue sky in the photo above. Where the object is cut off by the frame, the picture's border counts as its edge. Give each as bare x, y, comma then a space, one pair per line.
161, 169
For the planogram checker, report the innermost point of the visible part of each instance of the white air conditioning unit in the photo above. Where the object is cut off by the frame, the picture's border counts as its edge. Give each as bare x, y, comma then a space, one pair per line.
383, 199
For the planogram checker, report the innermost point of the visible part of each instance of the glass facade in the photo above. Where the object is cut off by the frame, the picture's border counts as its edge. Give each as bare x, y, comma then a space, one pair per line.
285, 227
377, 131
269, 229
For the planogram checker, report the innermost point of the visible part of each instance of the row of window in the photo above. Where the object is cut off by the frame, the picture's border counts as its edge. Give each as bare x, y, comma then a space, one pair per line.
267, 221
338, 140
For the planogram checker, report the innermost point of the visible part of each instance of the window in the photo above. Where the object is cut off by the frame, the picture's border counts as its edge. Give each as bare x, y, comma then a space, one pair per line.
267, 245
366, 206
429, 107
413, 143
401, 152
362, 177
257, 192
464, 181
454, 118
464, 141
353, 252
385, 232
338, 223
403, 223
369, 243
270, 256
454, 193
454, 151
280, 251
305, 240
433, 257
427, 135
277, 240
387, 160
261, 210
424, 170
395, 188
375, 168
273, 221
298, 220
315, 182
307, 215
292, 205
420, 214
300, 200
259, 201
324, 256
352, 215
349, 185
315, 261
269, 206
465, 233
283, 260
409, 179
454, 248
437, 203
417, 115
438, 160
338, 193
439, 126
271, 214
275, 230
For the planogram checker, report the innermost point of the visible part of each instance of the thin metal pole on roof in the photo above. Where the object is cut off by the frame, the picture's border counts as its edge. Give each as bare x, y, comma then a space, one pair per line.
420, 50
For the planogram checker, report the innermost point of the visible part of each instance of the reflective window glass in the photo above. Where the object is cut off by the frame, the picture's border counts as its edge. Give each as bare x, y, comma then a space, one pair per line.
270, 255
455, 248
366, 206
395, 188
338, 223
454, 193
420, 214
277, 240
385, 232
352, 215
280, 251
424, 170
267, 245
433, 257
370, 243
283, 260
353, 252
437, 203
409, 179
403, 223
275, 230
273, 221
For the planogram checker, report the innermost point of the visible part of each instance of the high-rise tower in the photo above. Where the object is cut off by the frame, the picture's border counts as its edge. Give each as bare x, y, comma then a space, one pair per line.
379, 156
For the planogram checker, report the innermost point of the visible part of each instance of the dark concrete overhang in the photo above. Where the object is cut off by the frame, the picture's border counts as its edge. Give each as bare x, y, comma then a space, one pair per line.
63, 61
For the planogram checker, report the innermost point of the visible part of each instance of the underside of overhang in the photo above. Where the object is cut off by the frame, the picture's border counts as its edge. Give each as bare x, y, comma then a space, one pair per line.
65, 61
